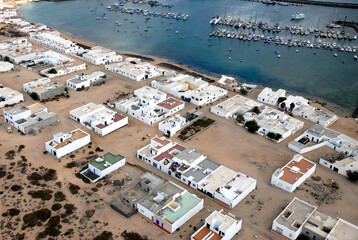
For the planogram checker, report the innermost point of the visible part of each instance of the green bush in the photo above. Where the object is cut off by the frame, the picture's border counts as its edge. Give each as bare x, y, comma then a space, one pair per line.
252, 126
274, 136
43, 194
34, 96
352, 175
255, 110
281, 99
50, 175
70, 208
240, 118
243, 91
56, 206
34, 218
52, 71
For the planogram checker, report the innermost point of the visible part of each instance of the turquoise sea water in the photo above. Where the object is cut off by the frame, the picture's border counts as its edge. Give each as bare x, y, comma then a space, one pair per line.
321, 76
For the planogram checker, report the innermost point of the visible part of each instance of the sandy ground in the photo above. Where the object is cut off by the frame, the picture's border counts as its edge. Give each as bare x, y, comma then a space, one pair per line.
225, 142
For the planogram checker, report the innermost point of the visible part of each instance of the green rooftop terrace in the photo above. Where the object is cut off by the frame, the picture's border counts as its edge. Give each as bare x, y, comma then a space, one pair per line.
185, 204
107, 158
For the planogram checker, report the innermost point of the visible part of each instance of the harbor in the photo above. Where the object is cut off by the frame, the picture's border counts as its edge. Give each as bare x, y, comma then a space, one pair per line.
186, 42
332, 38
170, 15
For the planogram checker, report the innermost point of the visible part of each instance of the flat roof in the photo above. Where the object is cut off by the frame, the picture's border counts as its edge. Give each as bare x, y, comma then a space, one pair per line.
36, 107
197, 172
218, 178
320, 131
295, 169
74, 136
343, 230
17, 109
207, 234
297, 211
108, 158
321, 223
226, 220
86, 109
167, 154
183, 204
170, 103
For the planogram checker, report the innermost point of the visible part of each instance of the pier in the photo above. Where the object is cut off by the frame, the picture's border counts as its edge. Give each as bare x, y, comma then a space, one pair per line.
352, 24
310, 2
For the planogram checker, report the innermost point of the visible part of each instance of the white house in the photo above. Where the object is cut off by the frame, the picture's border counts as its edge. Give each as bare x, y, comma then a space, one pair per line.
204, 96
178, 85
65, 143
194, 169
227, 186
30, 119
341, 165
55, 41
220, 225
6, 66
319, 136
99, 55
64, 69
272, 121
102, 166
178, 211
235, 190
162, 202
234, 106
149, 105
300, 217
172, 125
98, 118
9, 96
293, 174
33, 28
291, 220
315, 115
270, 97
44, 88
293, 101
84, 81
135, 69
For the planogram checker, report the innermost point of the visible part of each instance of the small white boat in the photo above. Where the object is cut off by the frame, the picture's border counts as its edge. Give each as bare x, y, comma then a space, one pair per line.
298, 16
335, 54
355, 57
279, 56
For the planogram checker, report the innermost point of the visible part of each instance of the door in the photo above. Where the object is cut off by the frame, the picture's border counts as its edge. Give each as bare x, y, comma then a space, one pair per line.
169, 173
154, 164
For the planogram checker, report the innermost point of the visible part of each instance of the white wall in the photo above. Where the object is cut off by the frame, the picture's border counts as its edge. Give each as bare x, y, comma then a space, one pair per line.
112, 127
68, 148
188, 215
145, 211
285, 231
102, 173
13, 100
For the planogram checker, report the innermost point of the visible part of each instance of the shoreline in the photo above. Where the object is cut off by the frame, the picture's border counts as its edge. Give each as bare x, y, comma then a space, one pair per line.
185, 69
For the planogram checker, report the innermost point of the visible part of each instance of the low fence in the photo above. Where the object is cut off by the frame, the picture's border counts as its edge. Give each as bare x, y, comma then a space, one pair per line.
127, 215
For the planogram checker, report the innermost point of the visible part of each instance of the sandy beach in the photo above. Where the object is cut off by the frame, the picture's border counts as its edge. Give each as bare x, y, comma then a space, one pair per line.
225, 142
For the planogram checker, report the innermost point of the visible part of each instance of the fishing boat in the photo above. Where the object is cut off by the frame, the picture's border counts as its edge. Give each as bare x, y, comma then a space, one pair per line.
283, 3
355, 57
268, 2
298, 16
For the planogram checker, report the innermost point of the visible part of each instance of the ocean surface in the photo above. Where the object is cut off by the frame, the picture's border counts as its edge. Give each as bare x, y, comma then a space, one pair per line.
313, 73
